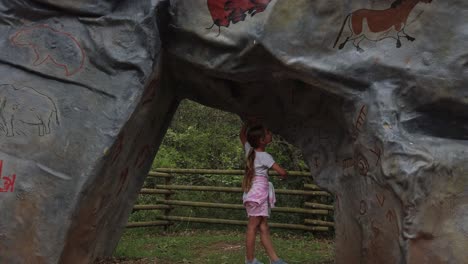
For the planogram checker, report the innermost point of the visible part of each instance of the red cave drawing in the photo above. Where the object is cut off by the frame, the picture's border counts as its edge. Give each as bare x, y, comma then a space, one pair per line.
122, 179
143, 155
50, 45
391, 217
361, 119
223, 12
8, 181
348, 163
380, 199
118, 148
362, 164
150, 92
376, 25
377, 152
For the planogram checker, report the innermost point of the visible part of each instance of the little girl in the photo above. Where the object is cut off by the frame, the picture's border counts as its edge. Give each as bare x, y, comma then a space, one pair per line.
258, 192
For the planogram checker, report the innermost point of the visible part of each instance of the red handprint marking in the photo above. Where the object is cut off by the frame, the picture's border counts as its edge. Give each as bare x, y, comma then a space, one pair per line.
8, 181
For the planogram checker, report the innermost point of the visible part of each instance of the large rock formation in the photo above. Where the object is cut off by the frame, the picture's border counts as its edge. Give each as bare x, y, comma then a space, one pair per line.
82, 111
374, 92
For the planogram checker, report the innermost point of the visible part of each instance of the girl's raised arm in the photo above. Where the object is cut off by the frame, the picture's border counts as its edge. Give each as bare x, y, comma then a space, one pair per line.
282, 172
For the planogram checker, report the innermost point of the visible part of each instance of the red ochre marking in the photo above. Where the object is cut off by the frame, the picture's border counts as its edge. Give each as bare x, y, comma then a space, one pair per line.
377, 152
122, 179
150, 92
49, 57
143, 155
223, 12
380, 199
118, 148
8, 181
361, 118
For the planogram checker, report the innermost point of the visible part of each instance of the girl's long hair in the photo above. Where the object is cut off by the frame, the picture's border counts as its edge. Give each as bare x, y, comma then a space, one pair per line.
254, 134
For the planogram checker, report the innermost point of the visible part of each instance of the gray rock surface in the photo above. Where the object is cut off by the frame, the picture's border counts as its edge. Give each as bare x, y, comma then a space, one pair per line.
374, 92
82, 111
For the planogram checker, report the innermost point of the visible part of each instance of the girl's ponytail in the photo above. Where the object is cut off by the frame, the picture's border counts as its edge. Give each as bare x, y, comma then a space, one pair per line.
249, 171
254, 134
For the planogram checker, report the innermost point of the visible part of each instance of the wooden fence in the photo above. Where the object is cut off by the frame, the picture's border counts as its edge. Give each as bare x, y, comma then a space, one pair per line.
319, 214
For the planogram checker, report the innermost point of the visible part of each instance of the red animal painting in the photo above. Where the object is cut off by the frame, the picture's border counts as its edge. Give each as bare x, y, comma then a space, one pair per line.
59, 48
376, 25
225, 12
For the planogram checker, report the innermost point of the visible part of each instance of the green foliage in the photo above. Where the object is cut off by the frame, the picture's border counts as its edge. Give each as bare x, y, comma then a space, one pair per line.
217, 247
202, 137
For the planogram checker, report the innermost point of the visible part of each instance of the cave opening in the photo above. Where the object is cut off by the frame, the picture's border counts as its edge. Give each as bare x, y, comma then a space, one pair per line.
200, 139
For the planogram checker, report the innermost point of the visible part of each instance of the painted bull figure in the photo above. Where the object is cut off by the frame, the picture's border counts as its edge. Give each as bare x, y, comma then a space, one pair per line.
224, 12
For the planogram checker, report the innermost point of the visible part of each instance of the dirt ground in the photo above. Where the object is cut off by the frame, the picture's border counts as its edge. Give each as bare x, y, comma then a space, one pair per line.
127, 261
143, 261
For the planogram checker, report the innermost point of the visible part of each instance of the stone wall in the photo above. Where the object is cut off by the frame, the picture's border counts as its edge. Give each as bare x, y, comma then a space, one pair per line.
373, 92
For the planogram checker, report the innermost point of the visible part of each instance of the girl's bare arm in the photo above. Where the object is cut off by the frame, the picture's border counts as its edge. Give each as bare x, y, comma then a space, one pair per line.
282, 172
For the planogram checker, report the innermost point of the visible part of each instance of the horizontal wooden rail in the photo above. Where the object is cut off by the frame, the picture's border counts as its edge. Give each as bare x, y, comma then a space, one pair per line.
225, 172
201, 204
166, 203
155, 191
151, 207
318, 206
239, 222
234, 189
312, 187
227, 206
151, 223
160, 174
318, 222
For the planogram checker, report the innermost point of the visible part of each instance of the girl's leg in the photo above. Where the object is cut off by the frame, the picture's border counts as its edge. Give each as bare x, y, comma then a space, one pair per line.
254, 222
266, 239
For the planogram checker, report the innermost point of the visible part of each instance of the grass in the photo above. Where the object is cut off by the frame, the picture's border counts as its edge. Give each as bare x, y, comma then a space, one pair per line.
146, 245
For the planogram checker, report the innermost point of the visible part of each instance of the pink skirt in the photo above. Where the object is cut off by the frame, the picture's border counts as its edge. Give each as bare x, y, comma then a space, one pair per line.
260, 198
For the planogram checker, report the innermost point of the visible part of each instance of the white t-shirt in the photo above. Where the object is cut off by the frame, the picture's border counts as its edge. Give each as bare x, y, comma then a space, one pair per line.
263, 161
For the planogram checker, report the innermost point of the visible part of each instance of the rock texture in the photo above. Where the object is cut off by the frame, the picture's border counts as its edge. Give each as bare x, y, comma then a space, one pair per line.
82, 111
374, 92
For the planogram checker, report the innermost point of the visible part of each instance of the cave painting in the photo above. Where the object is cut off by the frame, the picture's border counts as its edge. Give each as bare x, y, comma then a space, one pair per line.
8, 181
224, 12
119, 147
361, 119
58, 48
22, 107
150, 92
143, 155
376, 25
123, 179
362, 164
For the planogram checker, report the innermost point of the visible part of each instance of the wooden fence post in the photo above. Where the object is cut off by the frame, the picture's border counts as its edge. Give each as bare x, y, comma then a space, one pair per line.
167, 196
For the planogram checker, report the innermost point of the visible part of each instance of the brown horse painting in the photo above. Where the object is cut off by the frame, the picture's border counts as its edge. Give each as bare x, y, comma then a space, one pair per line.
375, 25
